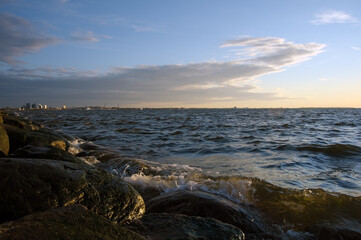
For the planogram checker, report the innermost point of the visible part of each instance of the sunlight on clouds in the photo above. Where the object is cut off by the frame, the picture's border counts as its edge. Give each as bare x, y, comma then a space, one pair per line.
332, 16
193, 84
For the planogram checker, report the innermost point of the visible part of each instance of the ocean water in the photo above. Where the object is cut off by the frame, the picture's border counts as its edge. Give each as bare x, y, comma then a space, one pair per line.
298, 166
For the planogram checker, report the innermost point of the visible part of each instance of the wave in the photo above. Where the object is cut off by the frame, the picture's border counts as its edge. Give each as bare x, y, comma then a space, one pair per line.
334, 150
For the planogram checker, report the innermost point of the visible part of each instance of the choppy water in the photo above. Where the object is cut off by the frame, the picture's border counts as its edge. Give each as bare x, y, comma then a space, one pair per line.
298, 168
292, 148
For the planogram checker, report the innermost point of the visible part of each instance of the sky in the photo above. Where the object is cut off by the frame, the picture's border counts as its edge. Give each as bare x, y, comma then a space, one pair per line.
165, 53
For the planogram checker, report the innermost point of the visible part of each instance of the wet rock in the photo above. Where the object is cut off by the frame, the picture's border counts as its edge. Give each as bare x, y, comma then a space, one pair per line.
49, 152
31, 185
335, 231
197, 203
71, 222
160, 226
21, 137
4, 142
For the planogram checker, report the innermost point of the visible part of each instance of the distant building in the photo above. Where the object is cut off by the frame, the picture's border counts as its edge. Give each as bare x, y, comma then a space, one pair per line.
45, 106
40, 106
63, 107
33, 106
27, 106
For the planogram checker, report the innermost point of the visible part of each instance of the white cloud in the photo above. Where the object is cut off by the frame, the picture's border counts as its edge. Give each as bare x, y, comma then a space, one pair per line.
193, 83
271, 51
356, 48
332, 16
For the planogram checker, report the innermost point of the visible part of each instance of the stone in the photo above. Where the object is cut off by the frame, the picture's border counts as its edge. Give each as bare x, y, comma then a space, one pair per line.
20, 122
48, 152
31, 185
71, 222
159, 226
197, 203
19, 137
4, 141
335, 231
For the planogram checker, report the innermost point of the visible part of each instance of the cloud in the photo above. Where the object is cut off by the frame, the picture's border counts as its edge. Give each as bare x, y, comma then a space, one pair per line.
183, 84
18, 37
112, 19
332, 16
271, 51
88, 36
356, 48
82, 36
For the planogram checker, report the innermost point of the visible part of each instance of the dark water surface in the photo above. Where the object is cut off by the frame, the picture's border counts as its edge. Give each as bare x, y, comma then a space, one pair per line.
292, 148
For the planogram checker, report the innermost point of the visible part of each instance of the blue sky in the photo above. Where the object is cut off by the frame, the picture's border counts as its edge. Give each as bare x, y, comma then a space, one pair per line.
181, 53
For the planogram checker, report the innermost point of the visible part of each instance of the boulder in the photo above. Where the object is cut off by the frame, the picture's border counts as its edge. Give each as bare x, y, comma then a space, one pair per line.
4, 141
1, 119
159, 226
31, 185
20, 122
197, 203
335, 231
48, 152
71, 222
19, 137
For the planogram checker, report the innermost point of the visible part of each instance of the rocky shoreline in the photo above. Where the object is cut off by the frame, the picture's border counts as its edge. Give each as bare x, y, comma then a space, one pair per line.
48, 193
52, 191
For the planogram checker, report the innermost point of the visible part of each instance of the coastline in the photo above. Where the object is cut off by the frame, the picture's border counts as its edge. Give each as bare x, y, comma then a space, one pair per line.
87, 178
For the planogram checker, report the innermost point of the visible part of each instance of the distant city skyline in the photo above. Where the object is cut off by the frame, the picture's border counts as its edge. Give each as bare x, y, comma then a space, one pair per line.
255, 54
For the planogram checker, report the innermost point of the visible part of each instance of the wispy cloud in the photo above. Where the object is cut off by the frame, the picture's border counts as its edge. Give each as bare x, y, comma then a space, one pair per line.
333, 16
137, 26
88, 36
184, 84
356, 48
84, 36
18, 37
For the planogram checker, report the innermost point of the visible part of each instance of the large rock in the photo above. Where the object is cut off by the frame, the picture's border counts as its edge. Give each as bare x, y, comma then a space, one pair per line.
197, 203
20, 122
49, 152
4, 142
19, 137
159, 226
31, 185
71, 222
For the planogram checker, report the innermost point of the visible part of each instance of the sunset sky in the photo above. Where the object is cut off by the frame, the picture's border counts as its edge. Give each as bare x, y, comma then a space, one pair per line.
200, 53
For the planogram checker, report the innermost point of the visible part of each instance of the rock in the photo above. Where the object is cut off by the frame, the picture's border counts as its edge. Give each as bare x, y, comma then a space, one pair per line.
31, 185
197, 203
1, 119
49, 152
20, 123
335, 231
21, 137
4, 141
160, 226
71, 222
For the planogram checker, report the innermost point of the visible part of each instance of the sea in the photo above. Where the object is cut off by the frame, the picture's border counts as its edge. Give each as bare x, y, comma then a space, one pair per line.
297, 166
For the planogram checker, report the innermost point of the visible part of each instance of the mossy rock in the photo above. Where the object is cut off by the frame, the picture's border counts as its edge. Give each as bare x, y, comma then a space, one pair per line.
31, 185
4, 141
21, 137
176, 226
71, 222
